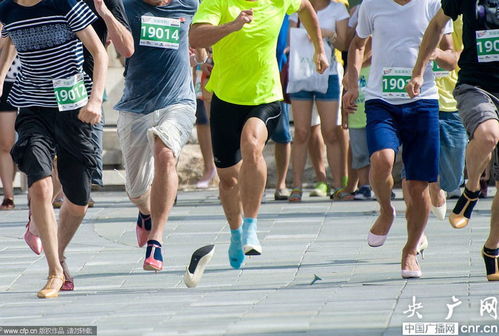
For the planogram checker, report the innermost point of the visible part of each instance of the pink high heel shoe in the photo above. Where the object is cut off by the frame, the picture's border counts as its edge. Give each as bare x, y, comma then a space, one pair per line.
203, 184
33, 241
68, 284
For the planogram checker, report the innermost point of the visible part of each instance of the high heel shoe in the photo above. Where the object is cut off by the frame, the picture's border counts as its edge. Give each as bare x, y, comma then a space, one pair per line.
52, 287
33, 241
200, 258
423, 245
491, 265
410, 274
461, 214
375, 240
68, 284
153, 260
203, 184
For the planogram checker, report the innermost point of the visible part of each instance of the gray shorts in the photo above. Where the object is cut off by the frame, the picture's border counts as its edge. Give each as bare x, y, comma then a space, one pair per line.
358, 144
475, 107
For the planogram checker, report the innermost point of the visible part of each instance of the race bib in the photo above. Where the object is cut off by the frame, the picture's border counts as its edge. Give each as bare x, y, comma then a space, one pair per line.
160, 32
394, 82
70, 93
438, 71
487, 45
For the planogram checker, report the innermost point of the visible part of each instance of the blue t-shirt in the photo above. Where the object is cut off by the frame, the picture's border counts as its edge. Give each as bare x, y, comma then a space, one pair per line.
158, 74
44, 36
282, 43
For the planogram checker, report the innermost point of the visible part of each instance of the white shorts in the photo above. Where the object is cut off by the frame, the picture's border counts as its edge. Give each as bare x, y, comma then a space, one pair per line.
172, 125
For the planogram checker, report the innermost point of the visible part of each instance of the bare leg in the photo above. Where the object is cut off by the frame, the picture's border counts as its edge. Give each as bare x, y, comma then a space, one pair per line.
328, 113
163, 190
204, 138
143, 203
253, 174
282, 158
382, 184
302, 113
7, 140
43, 214
315, 149
230, 196
344, 137
363, 174
353, 177
418, 210
478, 152
493, 239
437, 195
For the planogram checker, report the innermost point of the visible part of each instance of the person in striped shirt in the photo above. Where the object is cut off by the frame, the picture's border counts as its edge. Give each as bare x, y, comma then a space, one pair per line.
58, 104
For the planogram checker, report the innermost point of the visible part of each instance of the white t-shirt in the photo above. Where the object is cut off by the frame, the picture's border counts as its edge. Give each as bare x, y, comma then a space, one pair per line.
328, 17
396, 32
13, 71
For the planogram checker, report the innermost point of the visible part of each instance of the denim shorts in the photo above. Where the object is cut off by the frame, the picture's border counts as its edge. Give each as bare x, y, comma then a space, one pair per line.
414, 126
281, 133
332, 93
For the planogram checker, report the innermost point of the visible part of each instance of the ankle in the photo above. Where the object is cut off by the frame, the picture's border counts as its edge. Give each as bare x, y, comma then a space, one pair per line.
489, 251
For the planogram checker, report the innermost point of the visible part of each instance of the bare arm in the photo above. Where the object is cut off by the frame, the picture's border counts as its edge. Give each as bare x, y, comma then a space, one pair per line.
351, 79
7, 54
445, 56
309, 19
204, 35
118, 34
342, 39
91, 113
431, 39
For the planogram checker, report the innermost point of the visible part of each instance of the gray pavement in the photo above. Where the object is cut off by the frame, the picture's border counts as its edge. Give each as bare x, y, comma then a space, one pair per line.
360, 291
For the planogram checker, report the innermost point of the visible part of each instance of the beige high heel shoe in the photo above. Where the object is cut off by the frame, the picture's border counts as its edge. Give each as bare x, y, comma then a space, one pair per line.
52, 287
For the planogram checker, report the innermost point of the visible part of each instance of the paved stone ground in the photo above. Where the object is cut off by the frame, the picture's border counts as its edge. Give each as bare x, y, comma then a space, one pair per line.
360, 291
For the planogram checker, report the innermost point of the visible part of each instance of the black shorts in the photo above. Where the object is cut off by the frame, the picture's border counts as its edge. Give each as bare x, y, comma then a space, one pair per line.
227, 121
45, 132
4, 106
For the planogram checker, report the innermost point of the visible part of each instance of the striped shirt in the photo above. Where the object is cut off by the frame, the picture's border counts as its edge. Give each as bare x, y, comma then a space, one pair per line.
47, 47
13, 71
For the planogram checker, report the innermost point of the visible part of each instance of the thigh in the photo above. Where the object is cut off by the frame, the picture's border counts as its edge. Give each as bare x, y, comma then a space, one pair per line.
173, 126
419, 132
77, 156
302, 114
269, 114
381, 127
7, 129
475, 106
226, 124
328, 113
136, 150
34, 151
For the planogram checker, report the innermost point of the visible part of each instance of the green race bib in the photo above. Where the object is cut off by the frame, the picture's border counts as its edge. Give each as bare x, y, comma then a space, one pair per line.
394, 82
70, 93
487, 45
160, 32
438, 71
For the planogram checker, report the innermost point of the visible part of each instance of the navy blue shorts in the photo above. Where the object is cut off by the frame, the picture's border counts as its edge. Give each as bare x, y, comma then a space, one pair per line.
281, 133
415, 126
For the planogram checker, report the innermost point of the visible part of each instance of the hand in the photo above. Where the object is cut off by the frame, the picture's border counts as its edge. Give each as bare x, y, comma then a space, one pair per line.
321, 62
90, 113
206, 68
101, 8
246, 16
349, 106
413, 88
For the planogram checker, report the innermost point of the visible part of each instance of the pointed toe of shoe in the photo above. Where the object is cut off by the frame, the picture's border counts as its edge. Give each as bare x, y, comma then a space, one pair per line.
375, 240
458, 221
142, 235
34, 242
406, 274
440, 211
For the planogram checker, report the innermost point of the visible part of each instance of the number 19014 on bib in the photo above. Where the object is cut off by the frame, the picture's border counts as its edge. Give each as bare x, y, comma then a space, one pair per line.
160, 32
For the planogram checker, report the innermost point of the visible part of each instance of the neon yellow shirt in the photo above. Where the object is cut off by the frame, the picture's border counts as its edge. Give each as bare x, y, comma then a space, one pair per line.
246, 71
446, 85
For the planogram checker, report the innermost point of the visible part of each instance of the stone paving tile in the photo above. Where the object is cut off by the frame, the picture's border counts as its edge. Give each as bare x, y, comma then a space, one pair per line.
359, 292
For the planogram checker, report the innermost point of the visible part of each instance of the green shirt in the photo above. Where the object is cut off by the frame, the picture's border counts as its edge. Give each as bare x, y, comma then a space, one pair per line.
358, 119
246, 71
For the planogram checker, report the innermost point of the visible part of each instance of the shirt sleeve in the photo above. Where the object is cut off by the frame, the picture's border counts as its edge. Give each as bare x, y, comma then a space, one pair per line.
294, 6
79, 16
209, 11
116, 7
452, 8
342, 13
365, 25
354, 18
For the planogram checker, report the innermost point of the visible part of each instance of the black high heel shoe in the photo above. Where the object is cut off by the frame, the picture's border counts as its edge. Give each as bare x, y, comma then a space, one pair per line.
492, 266
461, 214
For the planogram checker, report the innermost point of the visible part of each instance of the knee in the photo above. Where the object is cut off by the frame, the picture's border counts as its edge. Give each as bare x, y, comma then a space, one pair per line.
301, 135
251, 150
487, 137
416, 189
164, 158
227, 182
381, 164
330, 136
6, 146
73, 209
41, 190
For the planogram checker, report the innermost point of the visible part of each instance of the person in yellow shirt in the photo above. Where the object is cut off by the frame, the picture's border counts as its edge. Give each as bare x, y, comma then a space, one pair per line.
453, 137
245, 107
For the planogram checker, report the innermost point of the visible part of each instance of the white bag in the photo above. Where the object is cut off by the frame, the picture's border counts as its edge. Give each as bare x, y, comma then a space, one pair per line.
303, 75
